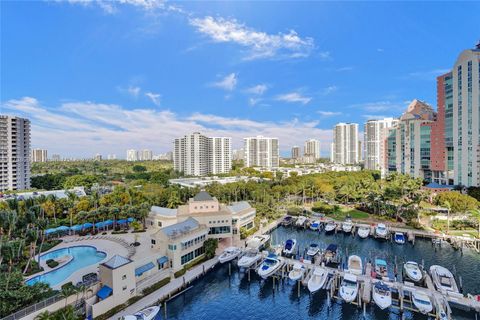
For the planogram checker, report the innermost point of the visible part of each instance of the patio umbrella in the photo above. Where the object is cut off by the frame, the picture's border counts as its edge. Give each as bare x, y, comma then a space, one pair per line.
51, 230
63, 228
108, 222
122, 221
130, 220
76, 227
99, 225
87, 225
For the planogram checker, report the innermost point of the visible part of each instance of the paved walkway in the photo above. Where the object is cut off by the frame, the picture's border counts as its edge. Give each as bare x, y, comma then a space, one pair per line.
167, 290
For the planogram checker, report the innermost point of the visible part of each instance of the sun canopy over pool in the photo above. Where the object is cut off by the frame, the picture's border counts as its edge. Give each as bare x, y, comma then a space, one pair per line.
87, 225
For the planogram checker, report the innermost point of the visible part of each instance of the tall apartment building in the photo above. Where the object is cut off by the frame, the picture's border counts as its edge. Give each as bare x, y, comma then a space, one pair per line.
466, 118
145, 155
14, 153
345, 143
261, 152
39, 155
295, 152
238, 154
375, 134
312, 149
409, 141
132, 155
199, 155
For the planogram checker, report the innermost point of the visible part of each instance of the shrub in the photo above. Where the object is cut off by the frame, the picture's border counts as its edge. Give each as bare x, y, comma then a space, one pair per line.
180, 273
52, 263
155, 286
211, 246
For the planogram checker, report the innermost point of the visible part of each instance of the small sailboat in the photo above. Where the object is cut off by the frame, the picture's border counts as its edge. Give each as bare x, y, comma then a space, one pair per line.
290, 246
300, 221
347, 225
313, 250
413, 271
363, 232
399, 238
315, 225
330, 226
422, 302
250, 257
380, 269
355, 265
382, 295
229, 254
349, 287
318, 279
443, 279
258, 242
297, 272
270, 265
381, 230
145, 314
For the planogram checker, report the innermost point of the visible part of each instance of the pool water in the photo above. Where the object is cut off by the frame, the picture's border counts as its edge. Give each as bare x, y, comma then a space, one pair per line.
82, 256
219, 295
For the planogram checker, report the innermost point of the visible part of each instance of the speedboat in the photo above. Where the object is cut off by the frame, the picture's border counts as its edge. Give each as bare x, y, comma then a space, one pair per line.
381, 230
229, 254
249, 257
287, 220
355, 265
380, 269
422, 302
443, 279
330, 226
363, 232
258, 242
382, 295
300, 221
315, 225
413, 271
331, 253
349, 287
347, 225
313, 250
318, 279
289, 247
270, 265
297, 272
399, 238
145, 314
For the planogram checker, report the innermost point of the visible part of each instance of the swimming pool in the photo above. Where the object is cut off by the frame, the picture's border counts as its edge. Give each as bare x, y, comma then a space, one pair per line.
81, 257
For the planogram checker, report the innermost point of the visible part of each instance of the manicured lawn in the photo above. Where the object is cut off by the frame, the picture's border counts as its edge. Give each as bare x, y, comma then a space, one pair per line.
345, 211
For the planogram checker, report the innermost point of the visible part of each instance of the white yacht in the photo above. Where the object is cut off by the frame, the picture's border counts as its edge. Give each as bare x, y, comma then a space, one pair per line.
422, 302
347, 225
290, 246
229, 254
318, 279
355, 265
313, 250
382, 295
249, 257
270, 265
349, 287
443, 279
413, 271
315, 225
258, 242
297, 272
381, 230
363, 232
145, 314
300, 221
330, 226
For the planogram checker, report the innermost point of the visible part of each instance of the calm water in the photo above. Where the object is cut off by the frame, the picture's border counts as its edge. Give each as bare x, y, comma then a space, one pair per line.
220, 296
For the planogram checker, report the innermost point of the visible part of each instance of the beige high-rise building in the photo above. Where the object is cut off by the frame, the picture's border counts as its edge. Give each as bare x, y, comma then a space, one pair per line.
295, 152
345, 143
261, 152
14, 153
375, 135
132, 155
145, 155
39, 155
312, 149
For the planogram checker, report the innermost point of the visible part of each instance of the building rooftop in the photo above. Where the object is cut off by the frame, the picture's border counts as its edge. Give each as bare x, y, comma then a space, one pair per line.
203, 196
116, 262
419, 110
239, 206
180, 228
163, 211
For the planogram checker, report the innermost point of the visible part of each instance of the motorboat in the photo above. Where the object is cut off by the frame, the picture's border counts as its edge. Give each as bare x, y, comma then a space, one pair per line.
349, 287
443, 279
380, 269
347, 225
287, 221
363, 232
229, 254
381, 230
412, 271
330, 226
270, 265
318, 279
249, 257
145, 314
422, 302
315, 225
313, 250
399, 237
331, 254
300, 221
258, 242
355, 265
382, 295
297, 272
289, 247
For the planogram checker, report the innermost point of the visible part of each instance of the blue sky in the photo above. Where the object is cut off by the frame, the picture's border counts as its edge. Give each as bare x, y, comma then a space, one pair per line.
103, 77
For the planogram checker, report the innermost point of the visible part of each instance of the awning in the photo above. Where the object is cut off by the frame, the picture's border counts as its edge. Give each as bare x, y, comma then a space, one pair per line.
104, 292
122, 221
162, 260
141, 270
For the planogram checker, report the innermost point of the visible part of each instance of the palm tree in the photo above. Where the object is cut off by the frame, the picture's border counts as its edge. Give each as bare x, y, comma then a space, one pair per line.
447, 204
476, 215
66, 292
45, 315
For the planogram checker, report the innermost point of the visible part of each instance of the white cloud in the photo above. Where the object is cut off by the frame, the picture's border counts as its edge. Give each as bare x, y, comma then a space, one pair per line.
111, 7
328, 90
427, 74
294, 97
228, 83
254, 101
395, 107
110, 128
374, 116
328, 113
155, 97
259, 44
259, 89
325, 55
134, 91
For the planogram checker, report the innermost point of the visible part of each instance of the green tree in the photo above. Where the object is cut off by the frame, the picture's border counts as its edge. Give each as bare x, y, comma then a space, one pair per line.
210, 246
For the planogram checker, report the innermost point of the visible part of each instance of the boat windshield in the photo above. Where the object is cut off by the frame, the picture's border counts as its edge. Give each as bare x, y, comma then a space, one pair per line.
446, 282
349, 284
421, 301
